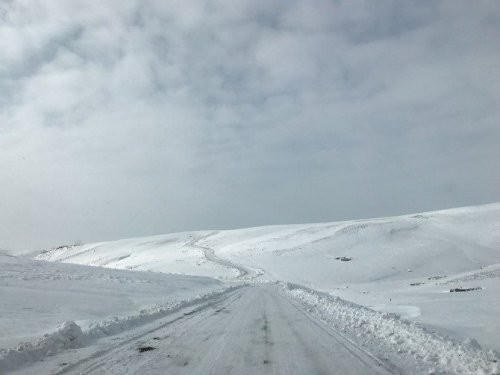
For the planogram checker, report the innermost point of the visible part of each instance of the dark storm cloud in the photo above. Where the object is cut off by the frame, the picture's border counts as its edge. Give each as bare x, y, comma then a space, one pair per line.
143, 117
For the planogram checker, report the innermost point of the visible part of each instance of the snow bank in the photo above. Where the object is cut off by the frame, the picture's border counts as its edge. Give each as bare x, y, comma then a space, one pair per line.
35, 296
398, 339
114, 325
68, 335
71, 335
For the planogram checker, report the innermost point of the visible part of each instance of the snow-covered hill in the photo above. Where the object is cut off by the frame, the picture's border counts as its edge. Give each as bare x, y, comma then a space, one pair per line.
406, 264
428, 244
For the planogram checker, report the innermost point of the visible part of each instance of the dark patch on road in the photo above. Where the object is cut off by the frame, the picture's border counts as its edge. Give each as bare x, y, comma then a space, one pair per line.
266, 330
267, 340
223, 310
454, 290
159, 338
143, 349
344, 259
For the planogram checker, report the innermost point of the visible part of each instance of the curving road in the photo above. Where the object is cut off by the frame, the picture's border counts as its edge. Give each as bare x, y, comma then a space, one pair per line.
243, 272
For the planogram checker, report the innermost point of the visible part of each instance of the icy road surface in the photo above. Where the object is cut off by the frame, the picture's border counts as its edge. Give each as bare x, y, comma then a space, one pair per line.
253, 330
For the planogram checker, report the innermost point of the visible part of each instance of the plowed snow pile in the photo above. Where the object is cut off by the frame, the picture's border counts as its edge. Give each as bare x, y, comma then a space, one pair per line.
392, 338
47, 307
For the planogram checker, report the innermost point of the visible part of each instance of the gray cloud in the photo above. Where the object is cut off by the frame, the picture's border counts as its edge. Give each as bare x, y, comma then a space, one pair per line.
144, 117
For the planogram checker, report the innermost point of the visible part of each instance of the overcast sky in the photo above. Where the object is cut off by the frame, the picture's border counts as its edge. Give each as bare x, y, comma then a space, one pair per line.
129, 118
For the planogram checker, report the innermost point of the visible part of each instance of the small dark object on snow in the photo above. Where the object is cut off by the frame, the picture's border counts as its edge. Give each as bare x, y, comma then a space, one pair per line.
436, 277
156, 338
344, 259
143, 349
420, 217
465, 289
415, 284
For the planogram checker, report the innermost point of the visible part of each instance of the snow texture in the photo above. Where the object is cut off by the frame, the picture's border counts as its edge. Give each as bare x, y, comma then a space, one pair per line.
393, 336
37, 297
70, 335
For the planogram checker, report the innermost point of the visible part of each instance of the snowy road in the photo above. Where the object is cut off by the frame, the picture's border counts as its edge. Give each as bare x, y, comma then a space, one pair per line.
255, 330
209, 254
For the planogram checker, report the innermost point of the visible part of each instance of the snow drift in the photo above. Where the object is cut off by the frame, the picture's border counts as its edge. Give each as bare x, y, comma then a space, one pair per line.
395, 338
70, 335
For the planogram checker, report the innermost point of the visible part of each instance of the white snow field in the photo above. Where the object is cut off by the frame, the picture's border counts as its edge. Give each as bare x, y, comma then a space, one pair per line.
410, 294
45, 306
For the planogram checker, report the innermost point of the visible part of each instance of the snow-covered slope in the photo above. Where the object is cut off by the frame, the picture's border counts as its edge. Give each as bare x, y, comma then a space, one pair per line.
426, 244
406, 264
429, 244
172, 253
36, 297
